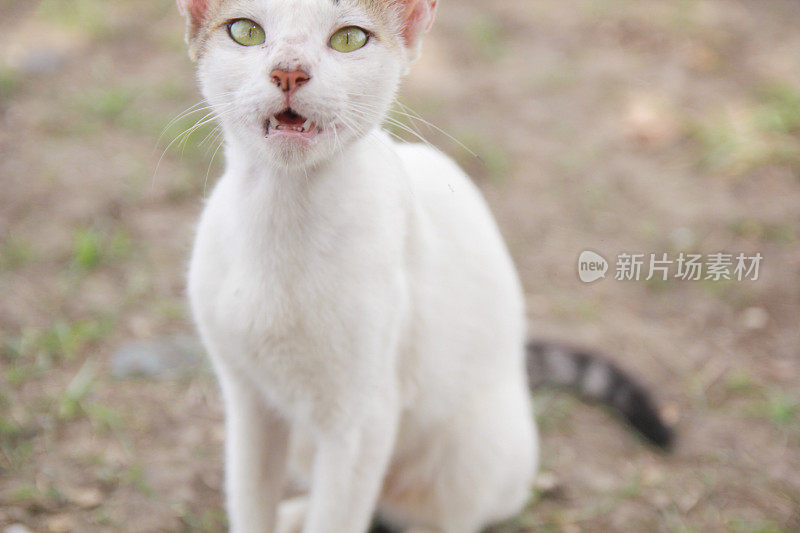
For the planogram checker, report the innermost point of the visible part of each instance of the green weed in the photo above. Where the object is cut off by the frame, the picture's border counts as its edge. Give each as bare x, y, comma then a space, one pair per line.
15, 253
760, 133
90, 16
782, 409
135, 476
209, 520
70, 403
487, 36
86, 249
92, 247
10, 82
753, 228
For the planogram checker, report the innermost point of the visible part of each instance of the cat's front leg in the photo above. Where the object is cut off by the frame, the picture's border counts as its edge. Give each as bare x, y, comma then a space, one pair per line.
349, 468
256, 453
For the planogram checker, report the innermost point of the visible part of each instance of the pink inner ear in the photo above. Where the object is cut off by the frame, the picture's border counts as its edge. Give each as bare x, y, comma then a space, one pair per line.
196, 9
418, 17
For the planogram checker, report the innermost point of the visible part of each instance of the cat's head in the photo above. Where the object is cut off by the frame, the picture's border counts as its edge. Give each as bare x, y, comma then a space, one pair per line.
293, 81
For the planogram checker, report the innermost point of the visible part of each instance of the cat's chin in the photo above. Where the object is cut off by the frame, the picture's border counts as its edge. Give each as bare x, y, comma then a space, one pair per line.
295, 149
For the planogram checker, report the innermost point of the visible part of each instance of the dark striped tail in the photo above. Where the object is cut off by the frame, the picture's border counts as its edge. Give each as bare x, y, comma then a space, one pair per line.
597, 379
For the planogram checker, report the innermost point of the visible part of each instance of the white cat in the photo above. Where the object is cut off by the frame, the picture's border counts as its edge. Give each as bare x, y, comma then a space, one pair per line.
360, 308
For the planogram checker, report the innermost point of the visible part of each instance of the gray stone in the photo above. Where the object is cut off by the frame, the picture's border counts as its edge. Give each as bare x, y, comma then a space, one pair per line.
16, 528
168, 356
41, 61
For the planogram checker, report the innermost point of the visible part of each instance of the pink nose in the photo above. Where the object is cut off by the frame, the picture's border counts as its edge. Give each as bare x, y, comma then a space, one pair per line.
289, 81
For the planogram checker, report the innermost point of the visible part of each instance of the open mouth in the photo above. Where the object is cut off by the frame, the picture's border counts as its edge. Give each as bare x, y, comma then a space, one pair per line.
290, 121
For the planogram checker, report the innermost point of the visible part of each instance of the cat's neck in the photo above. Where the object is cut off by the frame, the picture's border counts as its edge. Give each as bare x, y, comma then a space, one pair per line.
280, 207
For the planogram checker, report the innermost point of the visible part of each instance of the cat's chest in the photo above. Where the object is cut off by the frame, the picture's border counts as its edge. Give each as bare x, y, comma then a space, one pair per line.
264, 304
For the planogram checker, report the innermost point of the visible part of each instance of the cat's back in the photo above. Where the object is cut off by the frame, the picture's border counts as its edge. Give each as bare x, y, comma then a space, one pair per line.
465, 290
451, 208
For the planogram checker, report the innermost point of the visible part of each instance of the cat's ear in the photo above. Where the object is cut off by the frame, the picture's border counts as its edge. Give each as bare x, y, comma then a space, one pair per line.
196, 12
416, 18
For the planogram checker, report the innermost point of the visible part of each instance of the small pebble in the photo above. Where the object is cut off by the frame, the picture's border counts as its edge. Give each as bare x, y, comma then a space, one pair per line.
159, 357
16, 528
41, 61
87, 498
60, 523
755, 318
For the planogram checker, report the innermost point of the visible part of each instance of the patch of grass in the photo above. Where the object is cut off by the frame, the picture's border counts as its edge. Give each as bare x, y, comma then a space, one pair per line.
48, 497
209, 520
10, 82
90, 16
487, 36
741, 525
15, 352
553, 410
518, 524
110, 103
86, 249
138, 284
68, 339
683, 16
16, 374
101, 517
70, 405
588, 310
15, 253
753, 228
10, 431
92, 247
15, 443
104, 106
171, 89
135, 476
756, 134
104, 418
782, 409
780, 109
740, 382
33, 352
779, 407
169, 309
24, 493
120, 246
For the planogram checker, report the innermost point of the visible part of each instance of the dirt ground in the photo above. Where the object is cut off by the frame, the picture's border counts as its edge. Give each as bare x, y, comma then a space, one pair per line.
664, 126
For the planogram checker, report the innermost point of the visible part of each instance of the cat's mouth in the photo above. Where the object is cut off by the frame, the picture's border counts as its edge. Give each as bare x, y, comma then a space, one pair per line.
290, 121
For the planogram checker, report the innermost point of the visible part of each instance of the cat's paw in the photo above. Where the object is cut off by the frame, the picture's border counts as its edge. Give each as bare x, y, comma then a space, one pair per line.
292, 515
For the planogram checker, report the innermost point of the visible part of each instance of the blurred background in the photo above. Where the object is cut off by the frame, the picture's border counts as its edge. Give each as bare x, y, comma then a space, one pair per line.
613, 125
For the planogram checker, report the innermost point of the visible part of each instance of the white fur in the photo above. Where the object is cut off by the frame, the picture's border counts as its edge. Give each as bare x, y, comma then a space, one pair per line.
359, 306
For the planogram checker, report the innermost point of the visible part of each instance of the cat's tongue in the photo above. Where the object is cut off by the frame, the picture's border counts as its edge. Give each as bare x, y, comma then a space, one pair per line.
288, 120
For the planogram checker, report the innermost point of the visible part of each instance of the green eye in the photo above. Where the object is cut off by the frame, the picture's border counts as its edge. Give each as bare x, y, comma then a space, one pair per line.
246, 32
349, 39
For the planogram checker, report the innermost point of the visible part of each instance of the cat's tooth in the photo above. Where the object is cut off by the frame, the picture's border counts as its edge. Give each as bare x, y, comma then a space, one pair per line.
273, 123
307, 125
